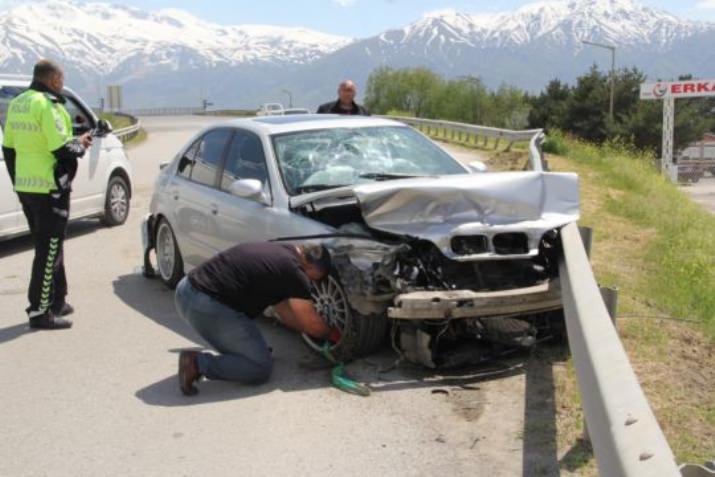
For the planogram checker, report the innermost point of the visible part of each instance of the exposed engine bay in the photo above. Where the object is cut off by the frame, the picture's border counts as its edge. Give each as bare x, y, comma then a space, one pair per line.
494, 288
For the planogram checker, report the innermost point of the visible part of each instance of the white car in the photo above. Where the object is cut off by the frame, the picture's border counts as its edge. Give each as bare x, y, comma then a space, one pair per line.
102, 187
271, 109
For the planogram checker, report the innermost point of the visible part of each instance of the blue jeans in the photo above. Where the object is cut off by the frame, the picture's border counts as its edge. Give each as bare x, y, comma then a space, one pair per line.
245, 356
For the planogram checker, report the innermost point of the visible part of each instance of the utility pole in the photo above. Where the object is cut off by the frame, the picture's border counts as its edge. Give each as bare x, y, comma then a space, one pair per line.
613, 70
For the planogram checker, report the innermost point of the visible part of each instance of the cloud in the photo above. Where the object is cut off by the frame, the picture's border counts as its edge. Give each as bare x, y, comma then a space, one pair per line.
345, 3
443, 12
705, 4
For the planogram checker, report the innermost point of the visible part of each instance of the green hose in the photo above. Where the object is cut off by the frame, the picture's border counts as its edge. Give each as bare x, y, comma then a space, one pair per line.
338, 378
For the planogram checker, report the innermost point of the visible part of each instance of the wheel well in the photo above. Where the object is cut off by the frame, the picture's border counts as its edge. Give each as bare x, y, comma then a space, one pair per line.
123, 174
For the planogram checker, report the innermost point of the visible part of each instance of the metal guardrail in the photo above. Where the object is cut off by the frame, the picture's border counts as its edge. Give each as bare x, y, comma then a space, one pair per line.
129, 132
626, 438
534, 136
180, 111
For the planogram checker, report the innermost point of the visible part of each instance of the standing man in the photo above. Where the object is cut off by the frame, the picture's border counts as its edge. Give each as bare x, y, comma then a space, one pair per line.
41, 158
222, 297
346, 102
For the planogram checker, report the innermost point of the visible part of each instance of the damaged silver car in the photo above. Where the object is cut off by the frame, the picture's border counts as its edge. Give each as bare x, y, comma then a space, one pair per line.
446, 262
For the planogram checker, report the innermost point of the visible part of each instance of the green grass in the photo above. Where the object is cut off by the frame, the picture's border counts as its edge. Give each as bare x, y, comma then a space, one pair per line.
681, 252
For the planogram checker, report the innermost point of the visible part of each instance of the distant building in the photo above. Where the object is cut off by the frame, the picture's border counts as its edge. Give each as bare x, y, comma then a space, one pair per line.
703, 149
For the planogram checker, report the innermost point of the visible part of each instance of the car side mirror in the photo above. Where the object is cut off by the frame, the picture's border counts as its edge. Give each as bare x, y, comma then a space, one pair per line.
477, 166
248, 189
103, 127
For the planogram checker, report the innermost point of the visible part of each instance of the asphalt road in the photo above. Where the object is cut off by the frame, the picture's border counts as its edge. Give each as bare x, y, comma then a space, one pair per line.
102, 398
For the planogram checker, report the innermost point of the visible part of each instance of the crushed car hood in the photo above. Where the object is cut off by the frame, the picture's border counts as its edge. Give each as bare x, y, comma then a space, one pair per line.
437, 209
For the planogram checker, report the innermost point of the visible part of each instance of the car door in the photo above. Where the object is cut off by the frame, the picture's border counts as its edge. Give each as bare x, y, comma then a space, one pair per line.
196, 195
11, 219
243, 219
88, 185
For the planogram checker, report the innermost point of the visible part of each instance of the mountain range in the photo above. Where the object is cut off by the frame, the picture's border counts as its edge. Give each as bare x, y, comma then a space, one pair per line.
171, 58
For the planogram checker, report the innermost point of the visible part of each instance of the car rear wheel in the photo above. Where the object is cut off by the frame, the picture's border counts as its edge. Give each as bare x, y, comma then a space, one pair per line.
362, 334
116, 204
168, 256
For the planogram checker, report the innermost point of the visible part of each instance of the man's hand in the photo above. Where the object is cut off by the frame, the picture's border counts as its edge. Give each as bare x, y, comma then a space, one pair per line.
300, 315
86, 140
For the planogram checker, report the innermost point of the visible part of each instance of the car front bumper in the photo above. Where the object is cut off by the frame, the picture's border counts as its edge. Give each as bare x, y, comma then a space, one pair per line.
455, 304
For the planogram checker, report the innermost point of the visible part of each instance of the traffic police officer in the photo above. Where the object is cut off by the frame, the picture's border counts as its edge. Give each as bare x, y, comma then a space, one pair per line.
41, 158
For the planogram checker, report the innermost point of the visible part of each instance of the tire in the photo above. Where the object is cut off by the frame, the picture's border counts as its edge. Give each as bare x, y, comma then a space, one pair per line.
362, 334
169, 264
116, 203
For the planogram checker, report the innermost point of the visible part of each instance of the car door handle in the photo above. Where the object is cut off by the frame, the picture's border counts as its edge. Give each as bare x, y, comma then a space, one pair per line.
214, 209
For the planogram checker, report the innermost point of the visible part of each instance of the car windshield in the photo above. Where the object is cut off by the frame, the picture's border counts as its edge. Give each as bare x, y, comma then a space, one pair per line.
329, 158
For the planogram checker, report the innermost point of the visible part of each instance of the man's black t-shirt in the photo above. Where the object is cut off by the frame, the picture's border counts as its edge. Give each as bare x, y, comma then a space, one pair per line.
250, 277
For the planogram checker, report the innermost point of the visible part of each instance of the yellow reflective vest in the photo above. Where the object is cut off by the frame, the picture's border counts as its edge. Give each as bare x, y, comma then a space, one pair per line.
37, 124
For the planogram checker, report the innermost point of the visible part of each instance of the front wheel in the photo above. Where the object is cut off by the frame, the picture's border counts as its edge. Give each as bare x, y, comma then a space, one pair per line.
168, 256
116, 203
362, 334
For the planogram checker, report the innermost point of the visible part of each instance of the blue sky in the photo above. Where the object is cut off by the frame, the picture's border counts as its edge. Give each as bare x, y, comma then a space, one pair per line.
362, 18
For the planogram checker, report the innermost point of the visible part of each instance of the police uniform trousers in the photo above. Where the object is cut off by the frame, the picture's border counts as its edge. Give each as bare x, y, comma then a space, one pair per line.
47, 216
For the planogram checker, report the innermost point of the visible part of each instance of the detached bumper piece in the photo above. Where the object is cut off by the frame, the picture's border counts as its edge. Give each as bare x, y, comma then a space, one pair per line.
455, 304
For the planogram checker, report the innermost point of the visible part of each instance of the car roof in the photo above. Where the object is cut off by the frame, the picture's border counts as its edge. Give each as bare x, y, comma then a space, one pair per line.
301, 122
22, 81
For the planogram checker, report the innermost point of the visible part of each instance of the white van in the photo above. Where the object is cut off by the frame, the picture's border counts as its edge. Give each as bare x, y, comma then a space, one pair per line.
102, 187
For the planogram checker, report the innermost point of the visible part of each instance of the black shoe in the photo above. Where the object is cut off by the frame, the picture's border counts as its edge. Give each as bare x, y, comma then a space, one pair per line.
188, 372
66, 309
48, 321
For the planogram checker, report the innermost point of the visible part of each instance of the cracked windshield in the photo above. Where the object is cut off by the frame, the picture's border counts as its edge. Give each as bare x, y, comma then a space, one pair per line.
317, 160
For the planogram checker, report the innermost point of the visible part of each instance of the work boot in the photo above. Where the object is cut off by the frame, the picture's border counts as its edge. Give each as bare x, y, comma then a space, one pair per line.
189, 372
48, 321
65, 310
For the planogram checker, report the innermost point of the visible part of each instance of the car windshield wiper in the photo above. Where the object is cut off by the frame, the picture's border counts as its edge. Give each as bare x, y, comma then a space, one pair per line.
384, 176
317, 187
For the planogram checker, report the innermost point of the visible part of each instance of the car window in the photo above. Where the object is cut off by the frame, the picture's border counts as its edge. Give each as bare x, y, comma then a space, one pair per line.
245, 160
81, 120
186, 163
207, 156
7, 93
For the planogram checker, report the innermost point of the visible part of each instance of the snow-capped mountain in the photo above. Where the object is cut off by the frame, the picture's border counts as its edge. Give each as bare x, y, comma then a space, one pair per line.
538, 42
619, 22
100, 37
170, 57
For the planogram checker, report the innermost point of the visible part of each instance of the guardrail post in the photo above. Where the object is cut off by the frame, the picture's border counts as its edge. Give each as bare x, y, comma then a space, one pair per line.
587, 238
610, 298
